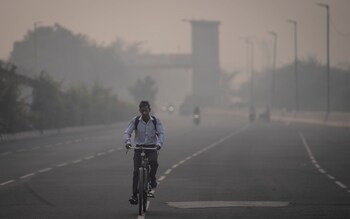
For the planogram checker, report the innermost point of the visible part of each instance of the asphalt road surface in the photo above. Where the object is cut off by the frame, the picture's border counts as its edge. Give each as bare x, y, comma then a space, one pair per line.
223, 168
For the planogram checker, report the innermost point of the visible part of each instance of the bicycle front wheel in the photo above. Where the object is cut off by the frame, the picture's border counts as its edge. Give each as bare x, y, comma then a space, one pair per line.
141, 190
145, 191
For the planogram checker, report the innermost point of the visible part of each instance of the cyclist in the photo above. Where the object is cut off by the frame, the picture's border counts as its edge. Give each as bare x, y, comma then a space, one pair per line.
149, 132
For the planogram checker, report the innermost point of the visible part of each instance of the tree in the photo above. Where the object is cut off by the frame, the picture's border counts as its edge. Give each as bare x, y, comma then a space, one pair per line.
67, 56
47, 103
144, 89
13, 111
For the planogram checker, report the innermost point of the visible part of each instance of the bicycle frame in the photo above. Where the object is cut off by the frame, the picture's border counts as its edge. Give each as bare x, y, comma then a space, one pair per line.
143, 179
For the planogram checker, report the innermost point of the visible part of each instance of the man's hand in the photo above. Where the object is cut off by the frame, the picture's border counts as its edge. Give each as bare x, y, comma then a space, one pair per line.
158, 147
128, 146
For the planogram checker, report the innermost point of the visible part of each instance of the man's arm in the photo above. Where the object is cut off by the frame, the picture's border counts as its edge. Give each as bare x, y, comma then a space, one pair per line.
128, 131
160, 130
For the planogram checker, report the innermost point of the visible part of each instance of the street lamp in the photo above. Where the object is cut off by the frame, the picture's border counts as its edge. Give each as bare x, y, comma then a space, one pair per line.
251, 43
295, 63
272, 97
328, 70
35, 46
250, 46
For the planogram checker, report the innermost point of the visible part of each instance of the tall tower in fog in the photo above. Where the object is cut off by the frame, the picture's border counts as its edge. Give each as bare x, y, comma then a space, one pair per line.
205, 60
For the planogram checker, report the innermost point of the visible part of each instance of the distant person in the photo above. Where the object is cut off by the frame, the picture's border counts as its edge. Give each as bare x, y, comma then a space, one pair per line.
196, 115
252, 114
149, 132
196, 110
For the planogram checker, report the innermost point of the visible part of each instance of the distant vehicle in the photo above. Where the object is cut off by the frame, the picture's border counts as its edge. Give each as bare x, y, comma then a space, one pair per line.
196, 115
265, 116
196, 119
168, 108
171, 109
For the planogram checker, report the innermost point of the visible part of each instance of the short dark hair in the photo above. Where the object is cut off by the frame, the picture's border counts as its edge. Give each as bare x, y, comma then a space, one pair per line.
144, 103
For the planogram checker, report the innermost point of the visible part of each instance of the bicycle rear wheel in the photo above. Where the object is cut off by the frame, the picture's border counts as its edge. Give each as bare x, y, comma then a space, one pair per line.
141, 190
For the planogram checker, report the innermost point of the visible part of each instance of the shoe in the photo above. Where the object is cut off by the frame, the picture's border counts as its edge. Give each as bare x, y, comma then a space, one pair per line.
150, 194
133, 200
154, 184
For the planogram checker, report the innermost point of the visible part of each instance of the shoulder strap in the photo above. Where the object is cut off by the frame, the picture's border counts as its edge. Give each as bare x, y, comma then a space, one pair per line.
137, 120
154, 122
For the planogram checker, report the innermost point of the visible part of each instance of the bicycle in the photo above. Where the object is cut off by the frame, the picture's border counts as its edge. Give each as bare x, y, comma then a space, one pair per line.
144, 186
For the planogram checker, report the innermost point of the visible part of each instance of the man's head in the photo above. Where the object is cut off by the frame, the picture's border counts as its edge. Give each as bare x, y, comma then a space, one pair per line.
144, 108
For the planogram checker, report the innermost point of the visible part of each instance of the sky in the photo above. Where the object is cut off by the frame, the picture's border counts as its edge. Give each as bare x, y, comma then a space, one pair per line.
160, 26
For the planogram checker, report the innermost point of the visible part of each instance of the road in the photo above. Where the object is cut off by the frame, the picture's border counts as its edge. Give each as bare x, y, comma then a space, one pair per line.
223, 168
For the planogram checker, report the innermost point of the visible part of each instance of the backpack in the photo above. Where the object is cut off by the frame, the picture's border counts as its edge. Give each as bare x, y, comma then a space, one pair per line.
137, 120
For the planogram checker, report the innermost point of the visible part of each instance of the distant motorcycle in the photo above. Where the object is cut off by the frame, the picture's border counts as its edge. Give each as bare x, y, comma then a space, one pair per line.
196, 119
252, 114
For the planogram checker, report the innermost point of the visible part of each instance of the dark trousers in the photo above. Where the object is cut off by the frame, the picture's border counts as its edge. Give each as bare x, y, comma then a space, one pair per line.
153, 161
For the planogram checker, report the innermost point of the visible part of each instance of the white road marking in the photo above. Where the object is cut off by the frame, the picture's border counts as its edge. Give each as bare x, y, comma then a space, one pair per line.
317, 166
188, 158
7, 182
62, 164
21, 150
111, 150
6, 153
181, 162
322, 171
168, 171
27, 175
58, 165
35, 148
161, 178
45, 170
227, 204
89, 157
341, 184
174, 166
330, 176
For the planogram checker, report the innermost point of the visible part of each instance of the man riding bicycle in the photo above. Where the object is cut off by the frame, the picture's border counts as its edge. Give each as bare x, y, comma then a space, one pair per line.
149, 132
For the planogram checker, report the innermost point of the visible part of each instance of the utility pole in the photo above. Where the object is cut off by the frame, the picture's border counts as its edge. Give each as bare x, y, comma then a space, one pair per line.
295, 64
35, 47
273, 82
252, 98
328, 68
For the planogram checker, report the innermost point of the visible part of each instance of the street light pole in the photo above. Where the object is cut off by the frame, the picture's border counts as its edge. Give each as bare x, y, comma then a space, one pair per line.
251, 43
35, 47
328, 68
295, 63
272, 97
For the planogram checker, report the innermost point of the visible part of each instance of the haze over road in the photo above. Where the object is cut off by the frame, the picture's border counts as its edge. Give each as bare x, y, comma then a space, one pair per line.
223, 168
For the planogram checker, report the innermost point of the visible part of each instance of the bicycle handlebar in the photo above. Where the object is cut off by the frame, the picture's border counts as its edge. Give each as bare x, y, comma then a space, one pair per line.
143, 148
